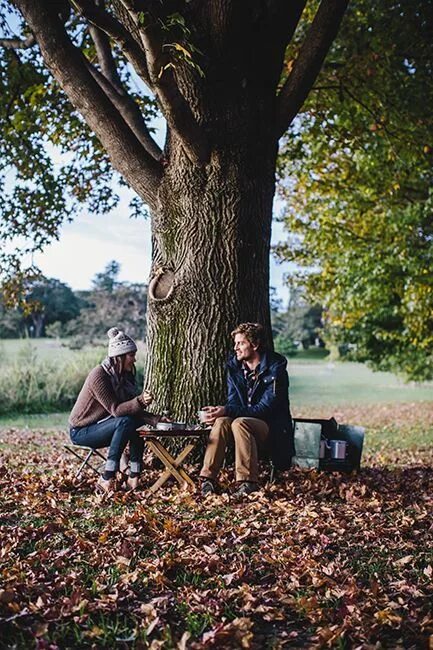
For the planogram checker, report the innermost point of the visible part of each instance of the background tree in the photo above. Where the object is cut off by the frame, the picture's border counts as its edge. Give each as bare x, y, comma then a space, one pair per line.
109, 303
297, 326
53, 309
11, 322
107, 280
50, 300
357, 176
218, 73
47, 301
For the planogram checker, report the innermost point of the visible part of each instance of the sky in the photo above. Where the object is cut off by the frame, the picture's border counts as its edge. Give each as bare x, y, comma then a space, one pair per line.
91, 241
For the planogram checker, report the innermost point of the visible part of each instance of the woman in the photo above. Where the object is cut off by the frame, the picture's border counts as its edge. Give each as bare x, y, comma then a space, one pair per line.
108, 411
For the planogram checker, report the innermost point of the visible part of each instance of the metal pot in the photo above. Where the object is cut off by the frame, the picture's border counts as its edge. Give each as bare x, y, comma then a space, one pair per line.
171, 426
338, 449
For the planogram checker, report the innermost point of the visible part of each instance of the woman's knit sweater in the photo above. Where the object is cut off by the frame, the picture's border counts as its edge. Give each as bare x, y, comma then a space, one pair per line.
97, 400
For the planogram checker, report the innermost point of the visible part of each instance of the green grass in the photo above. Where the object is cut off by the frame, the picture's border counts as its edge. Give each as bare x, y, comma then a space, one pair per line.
38, 421
97, 630
40, 376
340, 383
195, 623
51, 350
46, 349
312, 354
314, 380
390, 438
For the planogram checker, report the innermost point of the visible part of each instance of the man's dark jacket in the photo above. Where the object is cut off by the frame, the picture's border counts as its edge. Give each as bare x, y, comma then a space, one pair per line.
269, 401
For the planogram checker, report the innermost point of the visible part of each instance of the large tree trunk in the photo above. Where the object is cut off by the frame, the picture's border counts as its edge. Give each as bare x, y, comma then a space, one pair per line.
211, 239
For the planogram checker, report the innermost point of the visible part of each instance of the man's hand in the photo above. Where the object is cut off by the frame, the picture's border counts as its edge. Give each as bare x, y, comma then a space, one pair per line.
212, 413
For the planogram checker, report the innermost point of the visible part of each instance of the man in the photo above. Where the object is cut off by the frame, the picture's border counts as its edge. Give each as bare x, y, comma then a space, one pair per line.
256, 414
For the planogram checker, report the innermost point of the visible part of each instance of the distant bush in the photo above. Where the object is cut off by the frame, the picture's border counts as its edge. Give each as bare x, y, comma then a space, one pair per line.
77, 342
55, 330
29, 385
285, 346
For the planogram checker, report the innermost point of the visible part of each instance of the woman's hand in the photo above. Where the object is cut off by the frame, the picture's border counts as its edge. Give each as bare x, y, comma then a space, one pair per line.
147, 397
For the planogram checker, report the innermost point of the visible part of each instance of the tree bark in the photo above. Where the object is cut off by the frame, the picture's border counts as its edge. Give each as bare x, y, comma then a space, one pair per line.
210, 271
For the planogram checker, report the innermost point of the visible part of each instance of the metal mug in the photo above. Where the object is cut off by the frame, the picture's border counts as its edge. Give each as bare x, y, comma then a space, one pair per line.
338, 449
202, 415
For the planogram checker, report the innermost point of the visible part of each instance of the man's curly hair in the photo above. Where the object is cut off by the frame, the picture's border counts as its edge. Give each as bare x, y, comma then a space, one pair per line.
253, 332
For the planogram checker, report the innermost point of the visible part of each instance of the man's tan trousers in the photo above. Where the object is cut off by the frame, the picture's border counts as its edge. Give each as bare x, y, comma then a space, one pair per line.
246, 434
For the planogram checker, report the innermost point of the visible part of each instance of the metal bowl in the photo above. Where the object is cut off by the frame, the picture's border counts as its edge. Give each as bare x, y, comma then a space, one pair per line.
171, 426
179, 425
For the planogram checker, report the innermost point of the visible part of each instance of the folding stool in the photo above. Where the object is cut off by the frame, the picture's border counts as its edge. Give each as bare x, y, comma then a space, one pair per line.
88, 453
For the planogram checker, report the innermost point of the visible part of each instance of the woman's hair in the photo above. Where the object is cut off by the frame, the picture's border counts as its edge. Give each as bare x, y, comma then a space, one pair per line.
119, 364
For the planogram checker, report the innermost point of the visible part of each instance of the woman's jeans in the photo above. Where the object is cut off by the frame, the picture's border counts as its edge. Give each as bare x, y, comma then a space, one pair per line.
114, 433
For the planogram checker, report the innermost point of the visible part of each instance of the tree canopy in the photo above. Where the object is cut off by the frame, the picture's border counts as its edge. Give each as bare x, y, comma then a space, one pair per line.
53, 162
356, 167
357, 172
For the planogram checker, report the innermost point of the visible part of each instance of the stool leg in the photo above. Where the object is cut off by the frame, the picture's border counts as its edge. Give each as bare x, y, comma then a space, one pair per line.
85, 460
272, 473
84, 463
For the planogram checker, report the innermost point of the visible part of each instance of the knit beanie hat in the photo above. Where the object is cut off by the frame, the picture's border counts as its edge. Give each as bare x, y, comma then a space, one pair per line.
120, 343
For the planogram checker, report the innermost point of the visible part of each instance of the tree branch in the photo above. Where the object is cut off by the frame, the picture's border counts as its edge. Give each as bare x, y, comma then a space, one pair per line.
288, 14
18, 43
105, 57
113, 28
176, 109
129, 111
307, 66
69, 68
111, 84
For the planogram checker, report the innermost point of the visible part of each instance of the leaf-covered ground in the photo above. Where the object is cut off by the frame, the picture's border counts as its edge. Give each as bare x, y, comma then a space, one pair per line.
313, 560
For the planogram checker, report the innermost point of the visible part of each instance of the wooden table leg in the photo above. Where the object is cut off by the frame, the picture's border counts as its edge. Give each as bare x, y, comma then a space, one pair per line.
176, 463
172, 464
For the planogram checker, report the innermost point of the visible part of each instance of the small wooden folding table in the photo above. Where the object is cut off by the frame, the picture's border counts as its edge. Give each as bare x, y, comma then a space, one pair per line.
173, 465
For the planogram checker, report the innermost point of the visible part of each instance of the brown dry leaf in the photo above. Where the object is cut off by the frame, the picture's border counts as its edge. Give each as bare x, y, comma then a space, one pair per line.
386, 616
318, 559
404, 560
6, 596
182, 645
